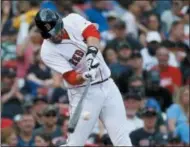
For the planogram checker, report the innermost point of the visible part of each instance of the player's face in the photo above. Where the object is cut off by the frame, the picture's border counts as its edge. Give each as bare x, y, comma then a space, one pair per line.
57, 38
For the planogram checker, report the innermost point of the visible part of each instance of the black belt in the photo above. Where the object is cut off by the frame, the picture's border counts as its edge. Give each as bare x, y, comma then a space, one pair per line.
99, 82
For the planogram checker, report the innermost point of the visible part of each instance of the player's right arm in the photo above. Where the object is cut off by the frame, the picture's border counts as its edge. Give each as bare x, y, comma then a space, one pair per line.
74, 78
58, 63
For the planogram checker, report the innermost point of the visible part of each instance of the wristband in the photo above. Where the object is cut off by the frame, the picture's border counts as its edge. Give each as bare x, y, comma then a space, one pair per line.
92, 50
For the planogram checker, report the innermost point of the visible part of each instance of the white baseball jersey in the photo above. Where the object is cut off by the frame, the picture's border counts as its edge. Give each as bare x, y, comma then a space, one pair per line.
70, 53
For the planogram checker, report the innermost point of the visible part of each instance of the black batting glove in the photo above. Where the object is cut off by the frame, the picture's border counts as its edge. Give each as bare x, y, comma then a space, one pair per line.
92, 62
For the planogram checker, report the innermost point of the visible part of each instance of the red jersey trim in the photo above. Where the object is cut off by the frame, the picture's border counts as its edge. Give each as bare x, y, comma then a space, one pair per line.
65, 35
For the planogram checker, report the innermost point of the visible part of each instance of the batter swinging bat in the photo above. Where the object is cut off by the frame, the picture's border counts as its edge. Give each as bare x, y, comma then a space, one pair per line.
75, 117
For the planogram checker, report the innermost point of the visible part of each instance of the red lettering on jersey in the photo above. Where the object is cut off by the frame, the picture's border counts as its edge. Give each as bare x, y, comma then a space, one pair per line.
79, 53
77, 56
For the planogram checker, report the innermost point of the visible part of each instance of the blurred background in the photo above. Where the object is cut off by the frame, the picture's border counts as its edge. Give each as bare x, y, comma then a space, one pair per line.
146, 46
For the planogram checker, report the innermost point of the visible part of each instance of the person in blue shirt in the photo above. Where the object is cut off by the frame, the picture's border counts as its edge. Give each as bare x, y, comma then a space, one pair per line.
183, 131
26, 126
177, 113
48, 4
96, 14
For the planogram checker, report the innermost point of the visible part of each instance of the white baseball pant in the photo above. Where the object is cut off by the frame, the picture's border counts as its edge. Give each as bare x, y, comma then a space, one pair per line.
103, 101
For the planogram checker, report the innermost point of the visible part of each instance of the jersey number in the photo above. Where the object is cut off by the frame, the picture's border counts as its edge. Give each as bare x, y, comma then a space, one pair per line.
77, 56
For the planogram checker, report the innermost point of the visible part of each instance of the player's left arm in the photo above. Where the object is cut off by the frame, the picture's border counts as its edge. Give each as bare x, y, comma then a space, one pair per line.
91, 35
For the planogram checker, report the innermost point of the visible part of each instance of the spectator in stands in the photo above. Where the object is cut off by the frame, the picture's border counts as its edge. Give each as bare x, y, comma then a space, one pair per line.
151, 24
22, 7
26, 127
65, 127
153, 40
39, 104
64, 7
6, 23
23, 21
166, 140
11, 96
185, 67
39, 75
50, 127
8, 36
43, 140
170, 76
171, 15
161, 6
176, 32
130, 18
119, 28
27, 9
153, 89
121, 69
175, 42
58, 94
110, 56
64, 119
8, 137
95, 14
17, 120
26, 51
132, 105
27, 106
160, 140
151, 103
146, 7
136, 85
177, 113
6, 15
185, 18
183, 131
80, 6
148, 20
108, 35
141, 136
137, 65
174, 141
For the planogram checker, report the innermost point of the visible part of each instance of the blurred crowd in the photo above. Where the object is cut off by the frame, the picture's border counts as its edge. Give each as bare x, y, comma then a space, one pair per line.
146, 46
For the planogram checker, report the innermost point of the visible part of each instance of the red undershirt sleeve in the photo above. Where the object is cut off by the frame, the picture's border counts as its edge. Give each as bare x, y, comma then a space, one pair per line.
71, 77
90, 31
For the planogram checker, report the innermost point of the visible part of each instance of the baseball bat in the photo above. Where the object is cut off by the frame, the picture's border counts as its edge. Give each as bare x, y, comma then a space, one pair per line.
76, 115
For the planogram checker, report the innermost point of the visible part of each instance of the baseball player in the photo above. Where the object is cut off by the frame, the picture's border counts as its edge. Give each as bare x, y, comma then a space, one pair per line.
70, 47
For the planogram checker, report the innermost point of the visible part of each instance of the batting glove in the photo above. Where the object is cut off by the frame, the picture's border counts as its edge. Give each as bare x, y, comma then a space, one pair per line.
92, 62
91, 74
